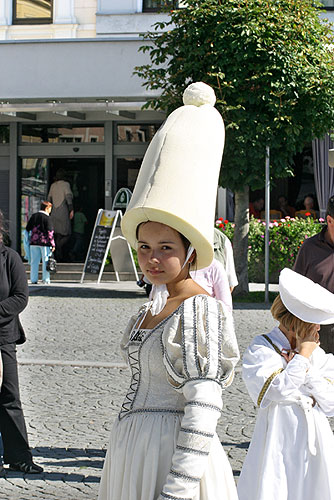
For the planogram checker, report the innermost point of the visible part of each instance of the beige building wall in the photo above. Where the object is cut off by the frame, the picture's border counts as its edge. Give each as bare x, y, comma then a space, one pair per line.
71, 19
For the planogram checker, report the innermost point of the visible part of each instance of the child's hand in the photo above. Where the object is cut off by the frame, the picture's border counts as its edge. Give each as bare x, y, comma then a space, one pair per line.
308, 342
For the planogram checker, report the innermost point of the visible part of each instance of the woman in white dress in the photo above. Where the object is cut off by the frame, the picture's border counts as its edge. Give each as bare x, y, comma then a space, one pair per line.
181, 346
291, 379
164, 444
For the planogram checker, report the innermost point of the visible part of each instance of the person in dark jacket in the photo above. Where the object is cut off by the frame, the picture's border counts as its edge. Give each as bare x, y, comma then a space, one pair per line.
13, 300
42, 242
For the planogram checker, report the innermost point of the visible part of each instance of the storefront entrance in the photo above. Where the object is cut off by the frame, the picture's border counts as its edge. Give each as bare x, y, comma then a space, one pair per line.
86, 177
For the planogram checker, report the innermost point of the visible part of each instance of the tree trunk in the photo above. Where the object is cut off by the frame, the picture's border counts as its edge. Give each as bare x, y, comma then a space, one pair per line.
240, 240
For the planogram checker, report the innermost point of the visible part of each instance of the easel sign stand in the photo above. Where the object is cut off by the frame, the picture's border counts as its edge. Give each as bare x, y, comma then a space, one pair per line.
107, 236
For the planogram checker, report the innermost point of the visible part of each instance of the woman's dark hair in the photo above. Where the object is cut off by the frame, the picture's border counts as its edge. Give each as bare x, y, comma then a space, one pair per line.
60, 174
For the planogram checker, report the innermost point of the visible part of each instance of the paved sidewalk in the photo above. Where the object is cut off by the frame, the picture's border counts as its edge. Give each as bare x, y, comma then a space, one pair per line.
73, 380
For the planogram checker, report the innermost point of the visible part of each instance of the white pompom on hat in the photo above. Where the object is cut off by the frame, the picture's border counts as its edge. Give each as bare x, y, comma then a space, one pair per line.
305, 299
178, 179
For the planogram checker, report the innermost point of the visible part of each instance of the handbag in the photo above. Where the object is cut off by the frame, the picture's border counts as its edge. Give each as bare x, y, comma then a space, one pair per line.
51, 265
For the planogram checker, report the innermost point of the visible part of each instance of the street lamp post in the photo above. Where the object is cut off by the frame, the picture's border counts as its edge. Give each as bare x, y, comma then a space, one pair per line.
266, 240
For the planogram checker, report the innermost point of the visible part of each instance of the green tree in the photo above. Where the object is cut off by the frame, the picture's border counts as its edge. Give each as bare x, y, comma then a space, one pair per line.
271, 64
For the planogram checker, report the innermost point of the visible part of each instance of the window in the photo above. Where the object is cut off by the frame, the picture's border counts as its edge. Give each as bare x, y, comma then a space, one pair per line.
68, 133
136, 133
156, 5
4, 134
328, 4
32, 11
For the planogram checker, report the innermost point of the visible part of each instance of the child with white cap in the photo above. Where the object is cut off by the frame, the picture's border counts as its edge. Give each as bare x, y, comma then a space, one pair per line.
291, 379
181, 346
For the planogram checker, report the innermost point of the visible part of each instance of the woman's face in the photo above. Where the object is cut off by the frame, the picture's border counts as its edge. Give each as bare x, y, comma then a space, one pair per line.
161, 253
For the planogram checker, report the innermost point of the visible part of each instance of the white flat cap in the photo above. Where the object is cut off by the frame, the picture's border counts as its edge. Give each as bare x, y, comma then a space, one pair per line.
305, 299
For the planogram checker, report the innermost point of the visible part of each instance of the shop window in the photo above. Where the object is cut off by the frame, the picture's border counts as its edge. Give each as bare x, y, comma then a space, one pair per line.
142, 133
127, 170
32, 11
4, 134
157, 5
69, 133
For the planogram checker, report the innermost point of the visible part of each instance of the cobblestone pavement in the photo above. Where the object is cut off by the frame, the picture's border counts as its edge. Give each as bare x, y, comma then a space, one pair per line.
73, 381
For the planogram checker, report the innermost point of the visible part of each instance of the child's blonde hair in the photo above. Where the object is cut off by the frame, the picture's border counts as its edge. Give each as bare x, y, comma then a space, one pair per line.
288, 320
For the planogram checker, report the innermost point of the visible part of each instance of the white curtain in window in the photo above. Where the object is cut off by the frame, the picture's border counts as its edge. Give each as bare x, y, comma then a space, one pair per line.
323, 174
6, 12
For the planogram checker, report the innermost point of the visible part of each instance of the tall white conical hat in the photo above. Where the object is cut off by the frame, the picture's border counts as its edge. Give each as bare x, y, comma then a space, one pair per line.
178, 179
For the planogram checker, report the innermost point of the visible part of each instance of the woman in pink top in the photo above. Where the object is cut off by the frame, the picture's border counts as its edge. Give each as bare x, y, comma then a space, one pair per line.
215, 281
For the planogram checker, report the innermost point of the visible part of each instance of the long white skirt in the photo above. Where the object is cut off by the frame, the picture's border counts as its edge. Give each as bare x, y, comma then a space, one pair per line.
139, 459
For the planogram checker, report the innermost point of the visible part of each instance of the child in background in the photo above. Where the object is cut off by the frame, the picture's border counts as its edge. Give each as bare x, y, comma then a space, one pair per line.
79, 225
291, 379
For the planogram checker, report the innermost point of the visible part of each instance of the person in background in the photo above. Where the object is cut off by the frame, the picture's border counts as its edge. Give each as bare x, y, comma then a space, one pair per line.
308, 202
41, 241
256, 207
13, 300
223, 252
284, 207
79, 224
61, 196
214, 280
315, 260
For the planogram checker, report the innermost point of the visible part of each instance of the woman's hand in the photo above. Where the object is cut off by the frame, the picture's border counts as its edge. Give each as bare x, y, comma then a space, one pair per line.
308, 342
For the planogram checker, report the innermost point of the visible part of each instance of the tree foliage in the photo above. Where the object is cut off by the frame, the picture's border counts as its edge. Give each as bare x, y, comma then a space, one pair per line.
271, 65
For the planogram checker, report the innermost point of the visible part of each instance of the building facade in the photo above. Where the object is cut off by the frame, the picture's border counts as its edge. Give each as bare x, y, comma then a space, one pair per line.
69, 99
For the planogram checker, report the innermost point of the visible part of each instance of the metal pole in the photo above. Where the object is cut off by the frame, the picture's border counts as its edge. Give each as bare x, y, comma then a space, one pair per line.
266, 240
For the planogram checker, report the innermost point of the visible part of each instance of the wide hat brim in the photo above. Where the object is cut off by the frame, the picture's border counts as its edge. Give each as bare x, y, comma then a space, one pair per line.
305, 299
204, 250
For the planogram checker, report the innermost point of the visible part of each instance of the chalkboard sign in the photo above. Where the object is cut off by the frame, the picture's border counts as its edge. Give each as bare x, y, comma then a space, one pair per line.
98, 248
107, 236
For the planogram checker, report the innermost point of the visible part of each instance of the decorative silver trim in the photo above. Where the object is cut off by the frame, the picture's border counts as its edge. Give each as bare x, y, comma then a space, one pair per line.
191, 479
172, 497
195, 431
207, 336
203, 405
195, 337
184, 354
150, 410
220, 343
191, 450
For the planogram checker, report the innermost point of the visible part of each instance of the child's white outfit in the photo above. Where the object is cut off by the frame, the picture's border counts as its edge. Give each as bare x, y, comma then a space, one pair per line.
291, 455
164, 444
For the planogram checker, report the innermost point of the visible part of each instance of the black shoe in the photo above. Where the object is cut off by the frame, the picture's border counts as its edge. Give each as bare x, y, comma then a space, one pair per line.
26, 468
2, 471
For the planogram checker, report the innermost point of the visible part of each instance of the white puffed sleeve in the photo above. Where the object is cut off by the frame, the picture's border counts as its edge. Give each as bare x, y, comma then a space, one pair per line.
200, 353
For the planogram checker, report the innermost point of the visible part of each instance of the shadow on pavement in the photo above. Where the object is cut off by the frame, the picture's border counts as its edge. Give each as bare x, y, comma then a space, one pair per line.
85, 293
244, 306
77, 458
53, 476
243, 445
